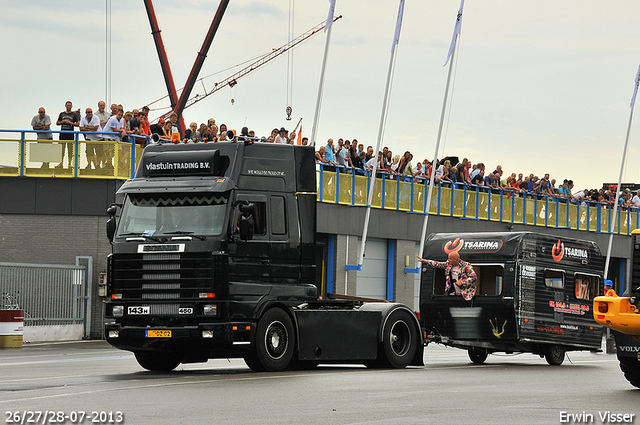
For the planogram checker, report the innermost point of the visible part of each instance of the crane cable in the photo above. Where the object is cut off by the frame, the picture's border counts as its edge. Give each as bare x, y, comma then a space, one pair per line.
290, 33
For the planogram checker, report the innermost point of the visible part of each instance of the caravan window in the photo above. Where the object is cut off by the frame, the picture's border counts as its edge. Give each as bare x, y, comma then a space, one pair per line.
586, 286
554, 279
489, 280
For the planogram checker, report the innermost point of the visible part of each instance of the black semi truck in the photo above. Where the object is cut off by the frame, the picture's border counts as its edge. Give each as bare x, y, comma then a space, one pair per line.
214, 256
534, 294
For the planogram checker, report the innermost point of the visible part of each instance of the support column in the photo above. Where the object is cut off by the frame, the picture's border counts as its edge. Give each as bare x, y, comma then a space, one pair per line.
404, 289
346, 253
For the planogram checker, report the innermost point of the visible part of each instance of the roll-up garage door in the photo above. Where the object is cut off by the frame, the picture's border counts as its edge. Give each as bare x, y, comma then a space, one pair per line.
372, 280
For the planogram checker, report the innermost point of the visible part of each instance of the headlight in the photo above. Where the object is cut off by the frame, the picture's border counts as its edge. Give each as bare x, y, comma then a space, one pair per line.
114, 334
210, 310
117, 310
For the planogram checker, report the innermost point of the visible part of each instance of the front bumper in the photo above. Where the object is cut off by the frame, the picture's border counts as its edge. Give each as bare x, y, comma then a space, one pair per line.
210, 340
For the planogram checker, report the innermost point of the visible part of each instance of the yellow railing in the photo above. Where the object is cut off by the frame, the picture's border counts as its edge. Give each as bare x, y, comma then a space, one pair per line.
44, 158
350, 187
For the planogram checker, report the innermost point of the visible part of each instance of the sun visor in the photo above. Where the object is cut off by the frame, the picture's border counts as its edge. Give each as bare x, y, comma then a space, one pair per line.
181, 163
172, 184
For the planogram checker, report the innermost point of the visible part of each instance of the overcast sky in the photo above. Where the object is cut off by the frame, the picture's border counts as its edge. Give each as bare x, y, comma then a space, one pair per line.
539, 86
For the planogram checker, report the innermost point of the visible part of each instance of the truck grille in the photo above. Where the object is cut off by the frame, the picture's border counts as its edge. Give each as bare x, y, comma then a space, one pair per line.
162, 276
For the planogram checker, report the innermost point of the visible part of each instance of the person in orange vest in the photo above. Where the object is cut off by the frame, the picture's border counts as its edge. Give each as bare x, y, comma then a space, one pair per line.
608, 291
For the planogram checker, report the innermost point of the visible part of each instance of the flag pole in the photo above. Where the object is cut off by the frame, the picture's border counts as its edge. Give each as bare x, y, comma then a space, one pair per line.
383, 115
327, 28
452, 49
624, 157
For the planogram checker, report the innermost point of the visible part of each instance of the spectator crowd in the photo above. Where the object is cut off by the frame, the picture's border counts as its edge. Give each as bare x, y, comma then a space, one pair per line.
134, 125
449, 172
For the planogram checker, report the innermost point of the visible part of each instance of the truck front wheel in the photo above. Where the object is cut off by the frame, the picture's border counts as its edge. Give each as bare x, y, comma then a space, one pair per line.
158, 361
275, 340
399, 339
631, 369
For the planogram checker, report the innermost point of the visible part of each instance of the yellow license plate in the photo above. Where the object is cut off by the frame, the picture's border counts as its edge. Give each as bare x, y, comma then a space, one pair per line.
157, 334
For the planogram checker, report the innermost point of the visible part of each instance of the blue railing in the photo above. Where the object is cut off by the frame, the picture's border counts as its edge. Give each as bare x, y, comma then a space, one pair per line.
349, 186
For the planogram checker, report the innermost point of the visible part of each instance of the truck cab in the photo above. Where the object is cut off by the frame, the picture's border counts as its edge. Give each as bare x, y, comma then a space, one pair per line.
207, 236
213, 256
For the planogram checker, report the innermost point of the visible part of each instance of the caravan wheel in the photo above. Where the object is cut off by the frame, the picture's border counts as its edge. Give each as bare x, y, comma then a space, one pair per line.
555, 355
477, 355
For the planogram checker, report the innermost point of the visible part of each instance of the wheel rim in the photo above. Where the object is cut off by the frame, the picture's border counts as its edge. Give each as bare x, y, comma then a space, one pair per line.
276, 340
400, 338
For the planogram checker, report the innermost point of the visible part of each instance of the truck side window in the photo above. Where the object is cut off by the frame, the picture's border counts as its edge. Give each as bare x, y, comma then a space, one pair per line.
259, 219
278, 216
554, 279
586, 286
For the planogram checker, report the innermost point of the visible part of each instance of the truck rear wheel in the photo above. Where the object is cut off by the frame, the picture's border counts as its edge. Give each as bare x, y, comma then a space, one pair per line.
477, 355
399, 339
275, 340
158, 361
555, 355
631, 369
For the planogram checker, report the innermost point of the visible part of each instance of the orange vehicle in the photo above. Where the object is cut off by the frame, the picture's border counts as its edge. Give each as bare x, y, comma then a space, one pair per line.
622, 315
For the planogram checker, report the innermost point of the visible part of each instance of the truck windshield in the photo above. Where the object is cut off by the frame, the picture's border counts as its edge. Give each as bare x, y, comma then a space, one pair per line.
171, 214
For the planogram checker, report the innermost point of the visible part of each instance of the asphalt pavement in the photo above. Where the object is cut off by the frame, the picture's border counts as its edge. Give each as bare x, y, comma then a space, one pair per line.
91, 382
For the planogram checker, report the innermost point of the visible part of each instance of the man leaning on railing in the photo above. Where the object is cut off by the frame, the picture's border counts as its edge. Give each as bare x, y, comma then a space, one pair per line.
42, 121
90, 123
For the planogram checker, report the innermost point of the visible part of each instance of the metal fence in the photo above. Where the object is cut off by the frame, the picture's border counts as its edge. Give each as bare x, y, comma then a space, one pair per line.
49, 294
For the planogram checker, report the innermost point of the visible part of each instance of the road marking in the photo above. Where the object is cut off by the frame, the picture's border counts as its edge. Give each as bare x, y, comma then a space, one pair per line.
85, 359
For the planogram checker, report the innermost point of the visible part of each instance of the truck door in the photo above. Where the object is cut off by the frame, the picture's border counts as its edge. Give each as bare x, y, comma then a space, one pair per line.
285, 243
249, 258
269, 256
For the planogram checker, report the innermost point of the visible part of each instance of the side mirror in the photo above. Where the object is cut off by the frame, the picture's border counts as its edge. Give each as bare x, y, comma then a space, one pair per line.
111, 223
247, 208
111, 228
246, 227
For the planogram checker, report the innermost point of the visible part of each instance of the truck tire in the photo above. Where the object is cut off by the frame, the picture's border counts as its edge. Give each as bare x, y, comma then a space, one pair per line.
631, 369
254, 364
555, 354
275, 340
158, 361
477, 355
399, 339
